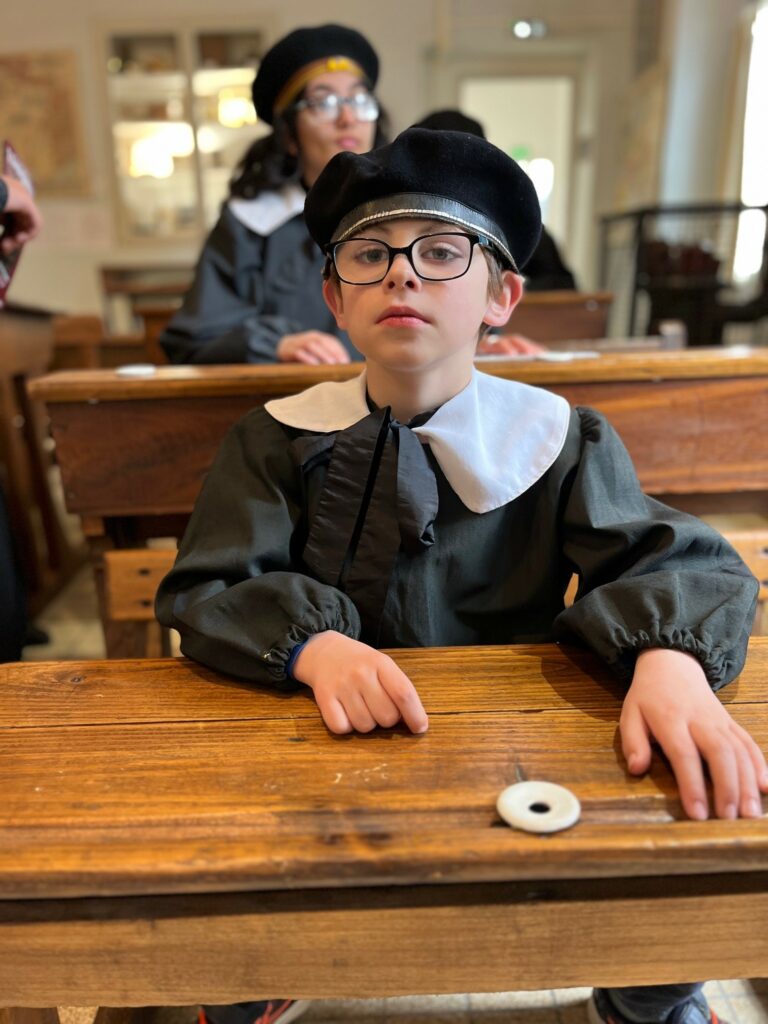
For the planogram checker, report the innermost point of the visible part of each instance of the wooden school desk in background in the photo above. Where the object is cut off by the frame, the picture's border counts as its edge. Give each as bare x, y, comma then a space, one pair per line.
171, 835
133, 452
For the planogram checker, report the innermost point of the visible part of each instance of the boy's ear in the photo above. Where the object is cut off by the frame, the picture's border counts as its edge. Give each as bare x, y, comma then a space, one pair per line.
500, 308
332, 296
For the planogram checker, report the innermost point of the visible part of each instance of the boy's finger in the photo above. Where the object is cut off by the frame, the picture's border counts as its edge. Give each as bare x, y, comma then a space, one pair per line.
334, 716
381, 706
756, 756
357, 712
403, 694
750, 804
724, 772
635, 744
686, 764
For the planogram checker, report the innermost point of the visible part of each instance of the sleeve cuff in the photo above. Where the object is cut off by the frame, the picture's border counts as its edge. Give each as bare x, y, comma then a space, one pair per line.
292, 659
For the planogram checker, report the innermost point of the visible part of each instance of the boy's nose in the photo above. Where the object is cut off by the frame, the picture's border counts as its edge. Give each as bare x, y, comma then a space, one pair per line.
401, 274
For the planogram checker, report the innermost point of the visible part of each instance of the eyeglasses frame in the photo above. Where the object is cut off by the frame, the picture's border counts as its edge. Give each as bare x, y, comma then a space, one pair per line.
407, 251
343, 101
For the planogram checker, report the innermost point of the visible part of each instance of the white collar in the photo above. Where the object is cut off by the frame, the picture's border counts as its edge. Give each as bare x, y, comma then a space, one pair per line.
270, 209
493, 440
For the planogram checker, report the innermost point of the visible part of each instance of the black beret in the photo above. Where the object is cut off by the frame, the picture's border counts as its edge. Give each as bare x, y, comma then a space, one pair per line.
450, 176
451, 121
280, 71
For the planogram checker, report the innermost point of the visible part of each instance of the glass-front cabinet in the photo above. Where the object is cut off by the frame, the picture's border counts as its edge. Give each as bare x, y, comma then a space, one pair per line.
181, 119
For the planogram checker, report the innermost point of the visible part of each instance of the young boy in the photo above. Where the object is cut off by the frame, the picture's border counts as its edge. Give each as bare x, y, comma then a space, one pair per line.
424, 503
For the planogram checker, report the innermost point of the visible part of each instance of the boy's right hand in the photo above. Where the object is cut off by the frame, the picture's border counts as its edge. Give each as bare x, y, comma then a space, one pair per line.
357, 687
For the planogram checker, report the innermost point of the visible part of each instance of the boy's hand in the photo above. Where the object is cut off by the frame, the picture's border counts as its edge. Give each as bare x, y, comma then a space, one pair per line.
311, 347
670, 701
356, 687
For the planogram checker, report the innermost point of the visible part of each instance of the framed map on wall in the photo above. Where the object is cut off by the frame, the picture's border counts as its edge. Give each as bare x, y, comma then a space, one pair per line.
40, 117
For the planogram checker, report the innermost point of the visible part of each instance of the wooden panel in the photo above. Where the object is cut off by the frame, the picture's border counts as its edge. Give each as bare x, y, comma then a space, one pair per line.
140, 457
688, 436
161, 777
561, 315
387, 942
126, 457
131, 579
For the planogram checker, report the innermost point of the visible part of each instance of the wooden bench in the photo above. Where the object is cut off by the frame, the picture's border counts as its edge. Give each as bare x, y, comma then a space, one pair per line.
131, 579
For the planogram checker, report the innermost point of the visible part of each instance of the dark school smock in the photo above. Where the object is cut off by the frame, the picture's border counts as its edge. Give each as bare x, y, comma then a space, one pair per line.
258, 278
461, 528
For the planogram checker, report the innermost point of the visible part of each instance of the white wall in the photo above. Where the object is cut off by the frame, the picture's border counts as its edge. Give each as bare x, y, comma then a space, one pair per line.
699, 36
60, 270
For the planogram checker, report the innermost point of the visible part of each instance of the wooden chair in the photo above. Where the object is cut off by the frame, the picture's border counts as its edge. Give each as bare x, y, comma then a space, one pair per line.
561, 316
131, 579
752, 546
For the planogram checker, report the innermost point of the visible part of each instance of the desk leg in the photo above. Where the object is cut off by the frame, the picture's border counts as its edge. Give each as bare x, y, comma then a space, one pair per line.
122, 639
16, 1015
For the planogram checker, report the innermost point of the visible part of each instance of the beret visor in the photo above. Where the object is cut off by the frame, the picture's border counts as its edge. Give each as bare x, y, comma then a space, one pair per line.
419, 204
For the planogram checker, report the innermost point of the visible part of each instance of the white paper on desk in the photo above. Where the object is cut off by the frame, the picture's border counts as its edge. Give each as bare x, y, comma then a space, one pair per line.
543, 357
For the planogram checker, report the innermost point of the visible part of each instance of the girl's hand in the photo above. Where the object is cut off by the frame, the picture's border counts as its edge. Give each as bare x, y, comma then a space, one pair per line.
312, 347
356, 687
671, 701
508, 344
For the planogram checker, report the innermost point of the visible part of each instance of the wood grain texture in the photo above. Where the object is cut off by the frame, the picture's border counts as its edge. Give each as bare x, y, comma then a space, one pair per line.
381, 942
168, 836
131, 579
162, 777
131, 448
274, 380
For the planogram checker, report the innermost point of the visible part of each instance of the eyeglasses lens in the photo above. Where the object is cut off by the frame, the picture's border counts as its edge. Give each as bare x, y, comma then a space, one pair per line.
362, 105
433, 257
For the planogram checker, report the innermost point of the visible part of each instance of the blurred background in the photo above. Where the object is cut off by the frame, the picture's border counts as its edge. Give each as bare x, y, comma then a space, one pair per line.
644, 124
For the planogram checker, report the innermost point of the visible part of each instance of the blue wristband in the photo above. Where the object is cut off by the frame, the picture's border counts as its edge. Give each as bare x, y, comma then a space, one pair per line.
292, 660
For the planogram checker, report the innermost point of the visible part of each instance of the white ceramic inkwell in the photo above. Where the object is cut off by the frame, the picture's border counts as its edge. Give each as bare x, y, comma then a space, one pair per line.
538, 806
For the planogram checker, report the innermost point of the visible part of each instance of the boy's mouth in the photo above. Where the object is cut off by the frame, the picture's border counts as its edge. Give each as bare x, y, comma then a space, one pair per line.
402, 316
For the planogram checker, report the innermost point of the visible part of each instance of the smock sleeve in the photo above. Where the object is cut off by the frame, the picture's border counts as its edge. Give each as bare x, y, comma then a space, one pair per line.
222, 319
236, 593
649, 576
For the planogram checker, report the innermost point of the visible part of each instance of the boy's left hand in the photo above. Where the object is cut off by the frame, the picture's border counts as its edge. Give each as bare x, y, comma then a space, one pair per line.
671, 701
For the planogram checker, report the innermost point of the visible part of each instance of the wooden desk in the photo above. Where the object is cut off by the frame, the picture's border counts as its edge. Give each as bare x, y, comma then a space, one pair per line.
170, 835
134, 450
552, 316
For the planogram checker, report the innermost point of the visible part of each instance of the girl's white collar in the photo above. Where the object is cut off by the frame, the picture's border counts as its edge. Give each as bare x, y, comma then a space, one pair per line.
270, 209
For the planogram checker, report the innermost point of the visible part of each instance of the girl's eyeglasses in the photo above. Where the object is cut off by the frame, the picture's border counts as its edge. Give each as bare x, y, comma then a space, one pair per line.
363, 106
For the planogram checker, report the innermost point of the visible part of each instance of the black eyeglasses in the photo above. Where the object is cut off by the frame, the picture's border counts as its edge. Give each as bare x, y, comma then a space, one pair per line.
438, 257
364, 107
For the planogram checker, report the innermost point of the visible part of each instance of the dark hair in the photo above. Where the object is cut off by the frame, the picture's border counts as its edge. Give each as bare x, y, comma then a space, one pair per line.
268, 164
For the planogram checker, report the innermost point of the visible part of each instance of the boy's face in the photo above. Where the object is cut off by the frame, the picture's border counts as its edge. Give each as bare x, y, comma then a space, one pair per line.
407, 324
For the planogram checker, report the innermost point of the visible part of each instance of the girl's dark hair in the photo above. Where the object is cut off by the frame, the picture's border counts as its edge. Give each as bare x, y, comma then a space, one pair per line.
268, 164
